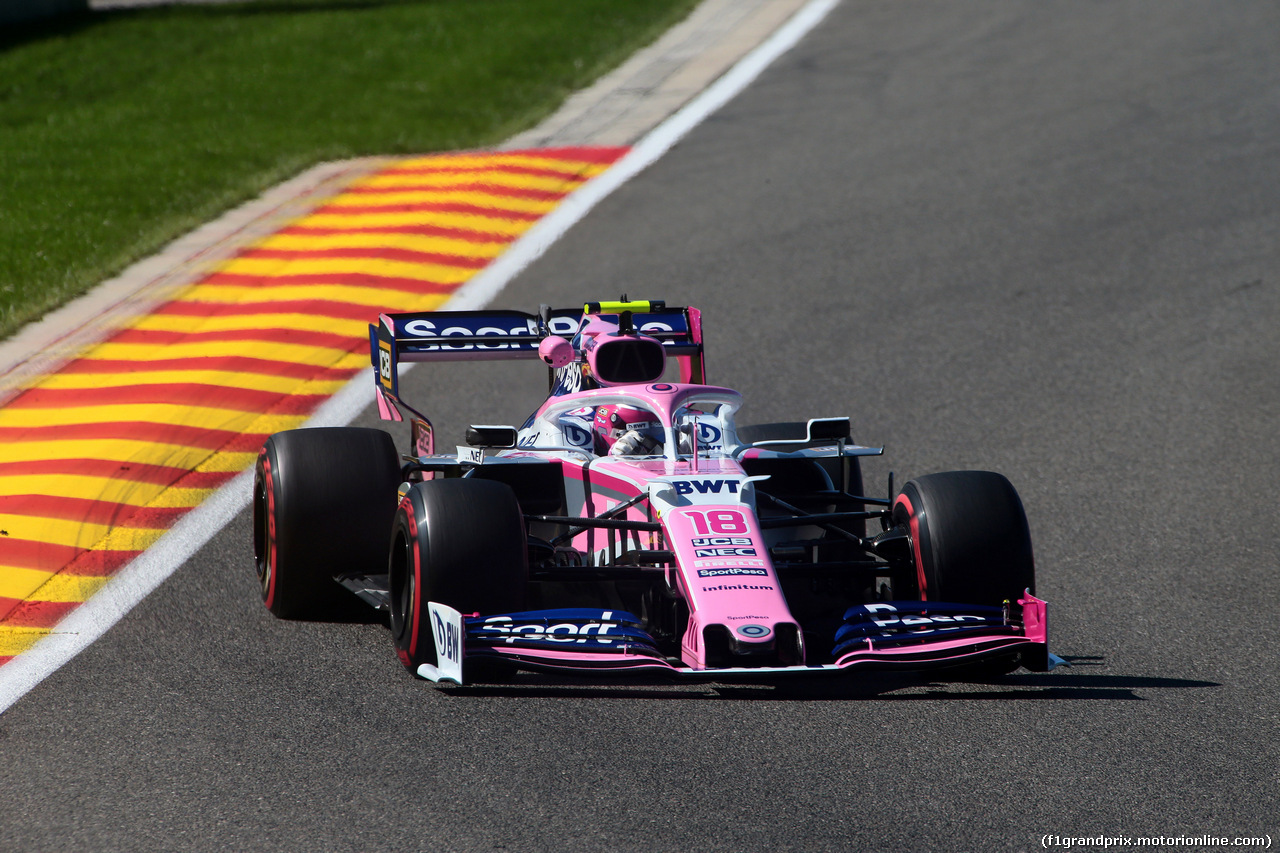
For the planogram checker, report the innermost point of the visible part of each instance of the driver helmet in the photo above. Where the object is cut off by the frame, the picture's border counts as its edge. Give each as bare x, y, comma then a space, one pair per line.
614, 423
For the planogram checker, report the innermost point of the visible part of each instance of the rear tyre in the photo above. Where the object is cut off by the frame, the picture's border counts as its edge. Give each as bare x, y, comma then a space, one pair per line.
459, 542
323, 500
969, 536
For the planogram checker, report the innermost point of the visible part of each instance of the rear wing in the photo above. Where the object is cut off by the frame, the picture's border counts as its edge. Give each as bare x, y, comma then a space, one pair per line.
491, 335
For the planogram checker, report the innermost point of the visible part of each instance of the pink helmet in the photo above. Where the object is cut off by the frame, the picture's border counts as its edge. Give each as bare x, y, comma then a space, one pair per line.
614, 421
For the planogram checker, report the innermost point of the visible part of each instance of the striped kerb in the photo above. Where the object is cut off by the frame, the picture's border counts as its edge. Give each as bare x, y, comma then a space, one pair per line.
100, 458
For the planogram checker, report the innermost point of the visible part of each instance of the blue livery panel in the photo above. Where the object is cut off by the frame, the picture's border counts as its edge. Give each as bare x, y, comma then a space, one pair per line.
898, 623
472, 335
576, 629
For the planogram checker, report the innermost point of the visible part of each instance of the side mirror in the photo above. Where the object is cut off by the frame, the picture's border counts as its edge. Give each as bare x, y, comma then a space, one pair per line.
829, 429
491, 436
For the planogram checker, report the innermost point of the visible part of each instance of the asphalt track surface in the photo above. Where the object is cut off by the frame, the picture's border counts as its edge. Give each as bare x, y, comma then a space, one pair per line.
1038, 238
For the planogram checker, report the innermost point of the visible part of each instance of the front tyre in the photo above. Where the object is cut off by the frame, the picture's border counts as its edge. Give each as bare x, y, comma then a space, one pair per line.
323, 500
459, 542
969, 537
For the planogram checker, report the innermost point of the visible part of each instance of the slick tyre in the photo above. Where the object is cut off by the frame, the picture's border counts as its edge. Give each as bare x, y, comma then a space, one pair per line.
969, 537
459, 542
323, 501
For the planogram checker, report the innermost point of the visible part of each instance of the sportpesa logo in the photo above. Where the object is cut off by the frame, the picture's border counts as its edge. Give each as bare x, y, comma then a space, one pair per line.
715, 573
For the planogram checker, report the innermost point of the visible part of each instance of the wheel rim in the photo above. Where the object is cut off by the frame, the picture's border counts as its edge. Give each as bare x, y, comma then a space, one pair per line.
396, 581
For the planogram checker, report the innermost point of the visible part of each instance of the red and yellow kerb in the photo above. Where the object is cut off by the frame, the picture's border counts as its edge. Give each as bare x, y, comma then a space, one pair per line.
101, 457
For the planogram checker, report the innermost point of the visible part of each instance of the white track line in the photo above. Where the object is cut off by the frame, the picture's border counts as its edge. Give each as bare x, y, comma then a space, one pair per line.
139, 578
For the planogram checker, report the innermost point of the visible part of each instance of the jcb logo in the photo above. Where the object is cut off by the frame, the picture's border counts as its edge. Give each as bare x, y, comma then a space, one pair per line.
384, 365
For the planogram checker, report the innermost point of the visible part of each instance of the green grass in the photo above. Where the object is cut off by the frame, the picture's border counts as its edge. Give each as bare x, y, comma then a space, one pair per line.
119, 131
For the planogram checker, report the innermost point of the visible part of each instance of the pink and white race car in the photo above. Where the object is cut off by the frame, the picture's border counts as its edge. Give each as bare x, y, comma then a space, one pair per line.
631, 525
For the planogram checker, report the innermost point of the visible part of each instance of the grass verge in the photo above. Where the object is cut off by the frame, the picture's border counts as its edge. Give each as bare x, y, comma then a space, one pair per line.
121, 130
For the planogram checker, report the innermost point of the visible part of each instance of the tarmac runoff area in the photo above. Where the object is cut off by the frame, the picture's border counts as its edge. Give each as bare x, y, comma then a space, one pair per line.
125, 410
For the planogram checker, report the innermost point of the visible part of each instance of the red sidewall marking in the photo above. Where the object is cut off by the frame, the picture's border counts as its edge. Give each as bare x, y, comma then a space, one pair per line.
269, 482
913, 521
416, 603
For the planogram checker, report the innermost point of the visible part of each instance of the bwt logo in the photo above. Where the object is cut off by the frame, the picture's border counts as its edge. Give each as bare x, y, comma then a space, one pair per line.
576, 436
706, 487
448, 643
708, 435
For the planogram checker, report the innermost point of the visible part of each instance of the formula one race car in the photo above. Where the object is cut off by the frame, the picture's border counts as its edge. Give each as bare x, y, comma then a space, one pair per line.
631, 525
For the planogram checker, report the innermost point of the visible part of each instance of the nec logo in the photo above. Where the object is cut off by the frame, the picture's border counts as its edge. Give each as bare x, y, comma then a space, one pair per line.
700, 553
706, 487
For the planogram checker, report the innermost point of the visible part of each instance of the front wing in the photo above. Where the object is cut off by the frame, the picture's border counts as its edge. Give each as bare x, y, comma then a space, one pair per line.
889, 636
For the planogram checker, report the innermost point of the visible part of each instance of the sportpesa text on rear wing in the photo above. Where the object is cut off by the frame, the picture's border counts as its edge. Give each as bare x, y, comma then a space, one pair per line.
486, 335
